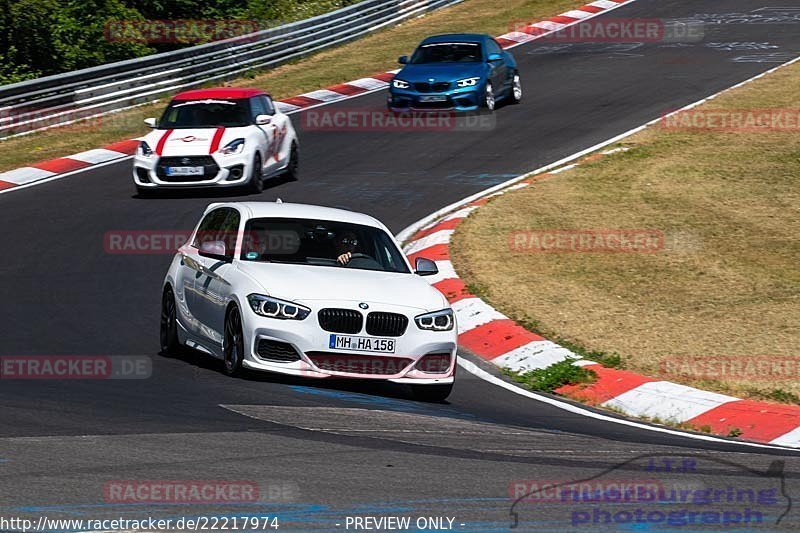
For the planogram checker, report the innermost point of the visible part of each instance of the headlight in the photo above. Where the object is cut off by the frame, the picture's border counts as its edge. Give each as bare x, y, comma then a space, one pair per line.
274, 308
399, 84
236, 146
144, 150
436, 321
468, 82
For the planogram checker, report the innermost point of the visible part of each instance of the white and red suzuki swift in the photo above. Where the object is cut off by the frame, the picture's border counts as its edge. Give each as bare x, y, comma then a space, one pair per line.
224, 137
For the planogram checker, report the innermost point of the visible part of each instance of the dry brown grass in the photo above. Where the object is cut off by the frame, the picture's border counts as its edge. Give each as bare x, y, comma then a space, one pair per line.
726, 284
375, 53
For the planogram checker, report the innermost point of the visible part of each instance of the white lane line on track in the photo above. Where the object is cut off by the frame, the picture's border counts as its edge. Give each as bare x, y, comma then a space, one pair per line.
474, 369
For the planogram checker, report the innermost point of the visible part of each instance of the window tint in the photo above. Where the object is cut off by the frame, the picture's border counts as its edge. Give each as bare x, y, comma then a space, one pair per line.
219, 225
230, 232
257, 106
493, 47
205, 114
268, 105
447, 53
320, 243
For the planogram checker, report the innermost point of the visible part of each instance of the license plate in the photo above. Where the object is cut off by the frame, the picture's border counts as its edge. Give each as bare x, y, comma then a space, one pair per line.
361, 344
434, 98
184, 171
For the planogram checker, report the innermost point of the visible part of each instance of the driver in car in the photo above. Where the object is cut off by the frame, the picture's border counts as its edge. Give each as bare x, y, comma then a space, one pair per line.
346, 246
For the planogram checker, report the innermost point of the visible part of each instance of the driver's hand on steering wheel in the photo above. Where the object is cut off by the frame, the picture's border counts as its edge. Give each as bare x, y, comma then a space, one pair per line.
344, 258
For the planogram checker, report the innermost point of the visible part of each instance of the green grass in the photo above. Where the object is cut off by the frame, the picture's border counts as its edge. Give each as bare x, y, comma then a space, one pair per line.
553, 377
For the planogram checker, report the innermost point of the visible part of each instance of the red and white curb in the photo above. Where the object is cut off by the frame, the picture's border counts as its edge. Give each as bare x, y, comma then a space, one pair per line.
63, 165
494, 337
51, 169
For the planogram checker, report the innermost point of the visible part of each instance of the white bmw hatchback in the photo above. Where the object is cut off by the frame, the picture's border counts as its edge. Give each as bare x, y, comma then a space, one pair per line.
308, 291
216, 138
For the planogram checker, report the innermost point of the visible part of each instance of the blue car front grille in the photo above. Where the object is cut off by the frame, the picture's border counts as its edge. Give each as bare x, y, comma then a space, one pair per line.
437, 87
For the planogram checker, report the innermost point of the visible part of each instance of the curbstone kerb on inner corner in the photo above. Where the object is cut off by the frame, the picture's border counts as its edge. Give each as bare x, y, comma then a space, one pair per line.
495, 338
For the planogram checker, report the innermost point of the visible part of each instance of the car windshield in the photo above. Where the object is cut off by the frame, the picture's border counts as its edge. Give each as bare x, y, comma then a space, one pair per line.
321, 243
205, 114
447, 53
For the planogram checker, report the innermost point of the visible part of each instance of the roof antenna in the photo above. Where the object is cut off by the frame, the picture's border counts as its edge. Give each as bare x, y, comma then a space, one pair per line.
278, 201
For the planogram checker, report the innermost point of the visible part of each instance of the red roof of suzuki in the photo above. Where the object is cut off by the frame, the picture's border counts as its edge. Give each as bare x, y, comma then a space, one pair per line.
220, 93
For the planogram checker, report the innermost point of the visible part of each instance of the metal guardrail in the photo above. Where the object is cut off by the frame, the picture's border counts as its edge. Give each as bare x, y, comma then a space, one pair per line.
73, 96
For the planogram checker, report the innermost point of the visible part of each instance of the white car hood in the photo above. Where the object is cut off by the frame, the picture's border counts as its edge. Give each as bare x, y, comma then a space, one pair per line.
308, 283
192, 141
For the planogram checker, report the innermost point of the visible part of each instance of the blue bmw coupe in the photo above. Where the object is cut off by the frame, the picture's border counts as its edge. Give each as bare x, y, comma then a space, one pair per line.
461, 72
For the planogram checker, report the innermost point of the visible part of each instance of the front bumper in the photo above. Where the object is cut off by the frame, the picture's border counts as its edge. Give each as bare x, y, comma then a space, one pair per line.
310, 342
459, 99
219, 171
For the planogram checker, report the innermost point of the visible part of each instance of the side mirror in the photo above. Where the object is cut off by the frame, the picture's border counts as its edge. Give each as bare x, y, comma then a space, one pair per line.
214, 250
151, 122
426, 267
495, 57
263, 120
403, 60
